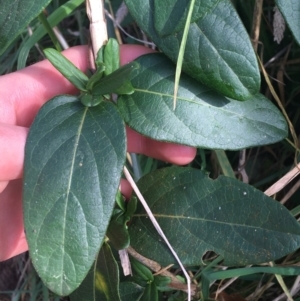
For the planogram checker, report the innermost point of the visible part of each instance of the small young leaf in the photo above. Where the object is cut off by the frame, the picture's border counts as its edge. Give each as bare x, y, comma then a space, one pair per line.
117, 82
111, 56
100, 57
162, 282
198, 214
117, 231
141, 270
95, 77
67, 69
102, 281
89, 100
150, 293
74, 157
203, 118
120, 200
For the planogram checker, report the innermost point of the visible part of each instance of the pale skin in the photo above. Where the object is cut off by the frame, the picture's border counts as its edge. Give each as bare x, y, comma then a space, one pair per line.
22, 94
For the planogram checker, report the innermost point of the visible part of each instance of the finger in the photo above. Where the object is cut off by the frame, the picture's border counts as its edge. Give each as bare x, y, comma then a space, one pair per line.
28, 89
125, 188
12, 145
131, 52
3, 185
12, 236
170, 152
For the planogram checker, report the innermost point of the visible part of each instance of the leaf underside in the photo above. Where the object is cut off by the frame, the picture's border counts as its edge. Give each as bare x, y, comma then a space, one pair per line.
198, 214
202, 118
73, 161
218, 50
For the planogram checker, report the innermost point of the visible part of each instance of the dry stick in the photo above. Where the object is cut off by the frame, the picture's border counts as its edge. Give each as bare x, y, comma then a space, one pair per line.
156, 267
98, 30
291, 192
281, 183
256, 23
158, 228
255, 38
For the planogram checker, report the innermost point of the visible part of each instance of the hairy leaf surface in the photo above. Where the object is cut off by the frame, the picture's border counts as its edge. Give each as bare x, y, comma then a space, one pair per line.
291, 11
73, 161
218, 50
15, 16
198, 214
202, 118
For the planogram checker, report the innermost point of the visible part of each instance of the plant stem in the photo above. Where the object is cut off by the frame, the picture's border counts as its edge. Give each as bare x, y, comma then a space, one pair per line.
50, 31
224, 163
181, 51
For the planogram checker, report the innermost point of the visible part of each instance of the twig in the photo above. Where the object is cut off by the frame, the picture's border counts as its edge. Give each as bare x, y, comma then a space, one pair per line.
98, 30
281, 183
158, 228
256, 23
156, 267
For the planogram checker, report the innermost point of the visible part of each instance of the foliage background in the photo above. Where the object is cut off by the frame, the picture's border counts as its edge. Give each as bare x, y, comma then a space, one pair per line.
263, 166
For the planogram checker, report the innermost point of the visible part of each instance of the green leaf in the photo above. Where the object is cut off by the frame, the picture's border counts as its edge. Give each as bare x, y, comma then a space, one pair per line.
67, 69
162, 282
56, 17
170, 15
117, 231
102, 281
141, 270
218, 50
89, 100
291, 13
73, 161
15, 16
111, 56
96, 76
130, 291
150, 293
202, 117
117, 82
198, 214
100, 57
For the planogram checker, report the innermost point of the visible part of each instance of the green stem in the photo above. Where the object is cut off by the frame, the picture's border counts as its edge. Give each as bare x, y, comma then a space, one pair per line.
225, 164
50, 31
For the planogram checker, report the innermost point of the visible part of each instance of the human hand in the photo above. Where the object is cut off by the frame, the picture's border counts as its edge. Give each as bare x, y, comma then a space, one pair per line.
22, 94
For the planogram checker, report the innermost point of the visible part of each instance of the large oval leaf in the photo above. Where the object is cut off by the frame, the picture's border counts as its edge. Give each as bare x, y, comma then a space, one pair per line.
218, 50
202, 118
198, 215
15, 16
291, 12
73, 161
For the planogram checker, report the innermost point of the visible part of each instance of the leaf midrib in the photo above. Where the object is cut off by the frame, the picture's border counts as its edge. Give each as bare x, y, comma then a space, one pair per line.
70, 183
198, 103
205, 220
